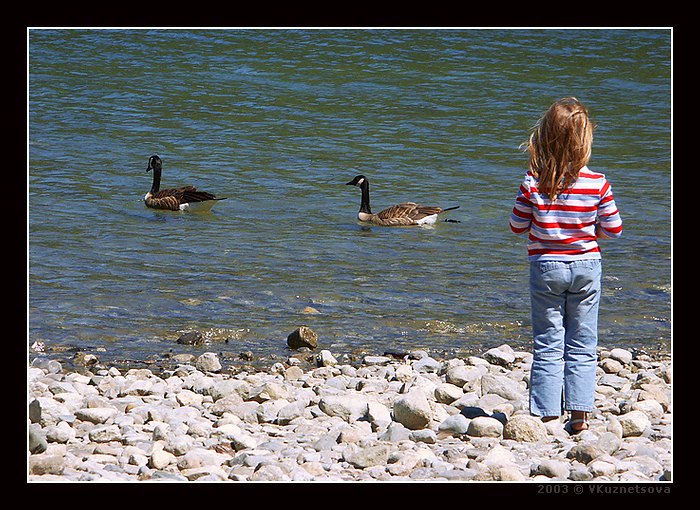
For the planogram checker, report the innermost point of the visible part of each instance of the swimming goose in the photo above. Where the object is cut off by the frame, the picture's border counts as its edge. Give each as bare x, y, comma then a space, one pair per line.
406, 214
186, 198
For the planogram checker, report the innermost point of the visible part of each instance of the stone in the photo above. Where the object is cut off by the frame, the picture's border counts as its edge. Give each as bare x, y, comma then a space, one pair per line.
498, 456
502, 386
104, 434
326, 359
37, 441
497, 356
427, 365
634, 423
456, 424
552, 469
423, 436
653, 409
96, 415
485, 426
523, 427
601, 468
59, 433
395, 433
446, 393
611, 366
378, 415
364, 457
609, 442
376, 360
462, 375
584, 453
188, 398
160, 459
191, 338
302, 337
293, 373
46, 464
348, 407
622, 355
208, 362
413, 410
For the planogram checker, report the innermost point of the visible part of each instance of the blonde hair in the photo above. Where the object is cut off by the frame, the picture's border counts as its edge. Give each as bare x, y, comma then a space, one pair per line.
560, 145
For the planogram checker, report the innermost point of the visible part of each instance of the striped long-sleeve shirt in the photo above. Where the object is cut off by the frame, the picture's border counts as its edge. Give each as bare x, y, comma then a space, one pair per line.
565, 229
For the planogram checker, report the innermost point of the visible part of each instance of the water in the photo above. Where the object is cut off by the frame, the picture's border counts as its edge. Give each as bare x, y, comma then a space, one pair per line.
278, 121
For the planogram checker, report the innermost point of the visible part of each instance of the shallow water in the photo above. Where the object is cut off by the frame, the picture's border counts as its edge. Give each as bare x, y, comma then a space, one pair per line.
278, 121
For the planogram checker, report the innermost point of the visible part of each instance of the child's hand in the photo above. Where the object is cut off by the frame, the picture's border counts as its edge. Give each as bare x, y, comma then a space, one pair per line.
599, 232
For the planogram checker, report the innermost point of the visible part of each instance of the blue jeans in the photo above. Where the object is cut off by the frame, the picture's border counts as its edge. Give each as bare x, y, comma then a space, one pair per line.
564, 298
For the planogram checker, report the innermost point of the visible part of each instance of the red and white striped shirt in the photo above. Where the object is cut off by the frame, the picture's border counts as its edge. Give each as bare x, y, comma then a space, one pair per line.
565, 229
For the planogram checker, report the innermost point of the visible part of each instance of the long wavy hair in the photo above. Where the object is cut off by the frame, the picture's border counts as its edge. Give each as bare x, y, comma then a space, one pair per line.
560, 146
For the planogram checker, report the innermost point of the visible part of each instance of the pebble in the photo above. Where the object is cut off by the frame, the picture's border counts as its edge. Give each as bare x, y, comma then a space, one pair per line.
385, 418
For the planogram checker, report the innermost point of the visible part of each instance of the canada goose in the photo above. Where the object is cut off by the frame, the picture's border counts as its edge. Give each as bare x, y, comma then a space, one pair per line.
405, 214
186, 198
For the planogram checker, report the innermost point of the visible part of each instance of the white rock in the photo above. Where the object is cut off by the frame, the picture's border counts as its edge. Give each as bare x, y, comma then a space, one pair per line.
60, 433
601, 468
501, 385
523, 427
349, 407
461, 375
188, 398
446, 393
208, 362
497, 356
485, 426
622, 355
650, 407
634, 423
376, 360
160, 459
455, 424
413, 410
326, 359
104, 434
378, 415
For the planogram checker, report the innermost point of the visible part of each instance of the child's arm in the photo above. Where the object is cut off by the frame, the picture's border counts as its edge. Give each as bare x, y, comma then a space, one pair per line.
609, 224
521, 217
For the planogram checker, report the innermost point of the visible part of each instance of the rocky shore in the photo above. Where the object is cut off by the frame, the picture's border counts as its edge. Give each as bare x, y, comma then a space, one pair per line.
414, 418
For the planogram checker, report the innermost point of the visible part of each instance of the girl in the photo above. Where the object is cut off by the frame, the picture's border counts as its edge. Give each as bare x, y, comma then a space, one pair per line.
565, 207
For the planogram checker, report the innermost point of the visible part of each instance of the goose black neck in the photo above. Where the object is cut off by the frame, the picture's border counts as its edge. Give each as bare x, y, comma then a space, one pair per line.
364, 204
155, 187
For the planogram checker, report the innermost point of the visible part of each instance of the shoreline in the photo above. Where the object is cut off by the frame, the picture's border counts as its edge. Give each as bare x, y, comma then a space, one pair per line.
317, 417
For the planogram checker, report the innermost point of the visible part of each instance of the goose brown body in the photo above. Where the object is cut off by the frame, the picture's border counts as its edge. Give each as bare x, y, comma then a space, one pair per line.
399, 215
174, 199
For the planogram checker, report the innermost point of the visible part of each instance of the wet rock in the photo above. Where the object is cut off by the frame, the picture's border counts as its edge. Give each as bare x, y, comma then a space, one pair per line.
302, 337
191, 338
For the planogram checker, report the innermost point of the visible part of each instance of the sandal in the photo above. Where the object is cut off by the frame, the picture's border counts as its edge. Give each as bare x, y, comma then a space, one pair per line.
583, 422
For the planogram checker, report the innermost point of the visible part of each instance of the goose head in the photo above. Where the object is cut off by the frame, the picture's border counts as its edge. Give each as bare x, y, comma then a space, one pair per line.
154, 163
358, 181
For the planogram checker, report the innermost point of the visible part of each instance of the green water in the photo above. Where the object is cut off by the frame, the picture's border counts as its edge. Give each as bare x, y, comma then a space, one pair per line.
278, 121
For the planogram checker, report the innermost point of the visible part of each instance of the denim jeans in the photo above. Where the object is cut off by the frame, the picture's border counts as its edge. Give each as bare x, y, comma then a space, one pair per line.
564, 299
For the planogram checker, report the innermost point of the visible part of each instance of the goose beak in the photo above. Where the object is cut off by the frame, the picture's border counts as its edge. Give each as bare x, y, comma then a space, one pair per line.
351, 183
